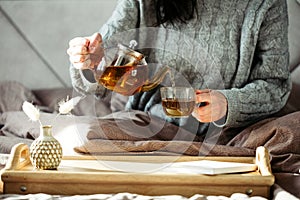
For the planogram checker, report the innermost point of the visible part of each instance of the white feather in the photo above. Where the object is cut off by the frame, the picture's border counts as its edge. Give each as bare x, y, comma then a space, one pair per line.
67, 106
31, 111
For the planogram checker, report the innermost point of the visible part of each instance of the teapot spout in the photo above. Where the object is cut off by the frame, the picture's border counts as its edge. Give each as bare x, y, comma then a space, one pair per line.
156, 80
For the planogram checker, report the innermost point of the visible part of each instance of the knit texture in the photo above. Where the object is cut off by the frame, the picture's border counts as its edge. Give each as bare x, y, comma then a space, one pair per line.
237, 47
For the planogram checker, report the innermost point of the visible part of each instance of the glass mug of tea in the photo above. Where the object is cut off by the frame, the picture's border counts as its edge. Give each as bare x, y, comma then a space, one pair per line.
178, 102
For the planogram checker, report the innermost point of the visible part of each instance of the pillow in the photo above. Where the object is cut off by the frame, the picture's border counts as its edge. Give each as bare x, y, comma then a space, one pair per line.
69, 130
294, 33
88, 106
49, 98
13, 94
295, 93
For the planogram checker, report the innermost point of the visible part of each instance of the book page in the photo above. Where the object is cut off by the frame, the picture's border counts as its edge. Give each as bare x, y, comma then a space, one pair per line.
187, 167
210, 167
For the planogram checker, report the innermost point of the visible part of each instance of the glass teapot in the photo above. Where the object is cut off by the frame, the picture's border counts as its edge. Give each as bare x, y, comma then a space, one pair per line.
127, 74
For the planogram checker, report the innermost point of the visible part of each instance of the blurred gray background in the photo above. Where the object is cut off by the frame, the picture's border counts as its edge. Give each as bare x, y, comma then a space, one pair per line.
34, 37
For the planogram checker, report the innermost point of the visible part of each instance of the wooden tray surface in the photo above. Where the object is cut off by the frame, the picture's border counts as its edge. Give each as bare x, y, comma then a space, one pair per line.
81, 175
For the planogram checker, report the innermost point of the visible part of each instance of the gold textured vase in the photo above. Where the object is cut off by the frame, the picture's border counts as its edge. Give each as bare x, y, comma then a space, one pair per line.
45, 151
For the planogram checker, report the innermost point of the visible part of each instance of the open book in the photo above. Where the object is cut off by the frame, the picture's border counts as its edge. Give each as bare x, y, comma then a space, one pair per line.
187, 167
210, 167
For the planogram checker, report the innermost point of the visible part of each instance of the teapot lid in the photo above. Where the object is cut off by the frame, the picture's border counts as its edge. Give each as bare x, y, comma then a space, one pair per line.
129, 51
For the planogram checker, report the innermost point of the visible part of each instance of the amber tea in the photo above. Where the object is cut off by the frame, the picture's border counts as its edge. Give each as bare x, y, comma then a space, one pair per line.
178, 101
178, 107
125, 80
128, 74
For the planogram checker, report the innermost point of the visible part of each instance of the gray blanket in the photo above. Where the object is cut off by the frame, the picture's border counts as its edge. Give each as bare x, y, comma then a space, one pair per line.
139, 132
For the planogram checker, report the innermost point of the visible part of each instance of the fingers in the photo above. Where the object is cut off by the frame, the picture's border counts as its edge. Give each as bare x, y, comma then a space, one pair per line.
95, 40
203, 112
208, 113
82, 45
85, 52
79, 41
214, 108
79, 58
77, 50
203, 95
82, 65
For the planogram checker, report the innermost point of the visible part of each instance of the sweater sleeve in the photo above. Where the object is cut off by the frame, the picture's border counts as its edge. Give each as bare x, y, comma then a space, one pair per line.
124, 17
269, 83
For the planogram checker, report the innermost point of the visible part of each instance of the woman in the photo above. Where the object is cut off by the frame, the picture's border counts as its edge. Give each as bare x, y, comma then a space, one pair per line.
246, 39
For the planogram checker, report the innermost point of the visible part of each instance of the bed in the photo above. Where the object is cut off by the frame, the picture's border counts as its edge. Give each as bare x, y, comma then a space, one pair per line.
93, 128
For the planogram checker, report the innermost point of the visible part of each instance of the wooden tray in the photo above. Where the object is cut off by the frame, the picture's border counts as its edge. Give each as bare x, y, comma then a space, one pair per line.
73, 178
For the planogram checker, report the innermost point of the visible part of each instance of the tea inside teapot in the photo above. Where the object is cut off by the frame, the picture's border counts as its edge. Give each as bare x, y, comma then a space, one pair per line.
128, 73
126, 80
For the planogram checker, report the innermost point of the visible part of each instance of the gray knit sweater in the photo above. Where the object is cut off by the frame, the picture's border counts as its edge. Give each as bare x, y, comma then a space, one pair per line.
239, 47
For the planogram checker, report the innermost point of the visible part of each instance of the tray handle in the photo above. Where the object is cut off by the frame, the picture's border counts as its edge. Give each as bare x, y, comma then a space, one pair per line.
18, 158
262, 160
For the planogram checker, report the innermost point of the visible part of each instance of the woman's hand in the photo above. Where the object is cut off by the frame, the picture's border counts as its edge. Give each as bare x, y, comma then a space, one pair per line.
214, 106
85, 52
